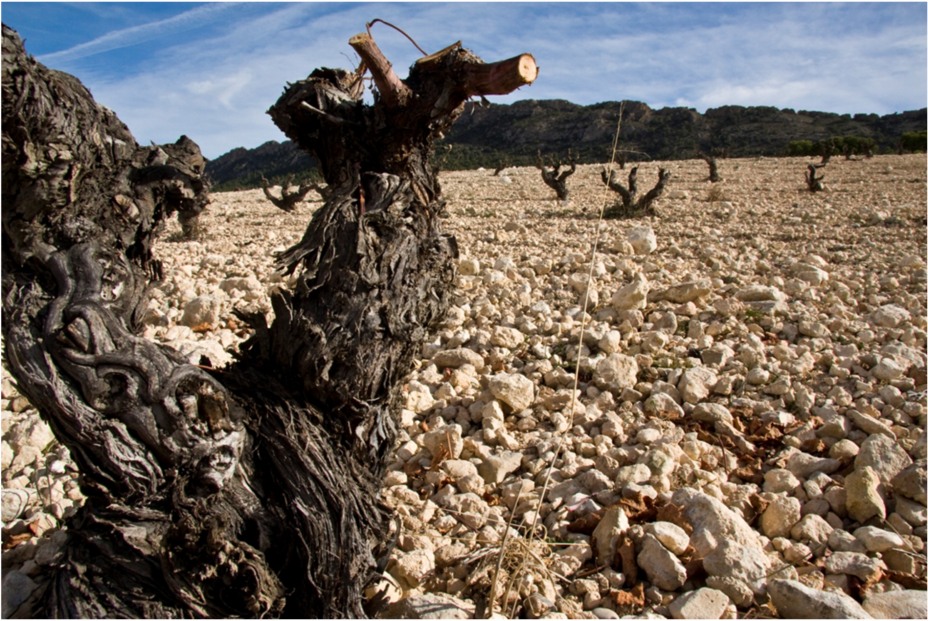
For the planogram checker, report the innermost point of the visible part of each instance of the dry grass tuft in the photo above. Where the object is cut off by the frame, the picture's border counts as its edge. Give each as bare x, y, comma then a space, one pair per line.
715, 194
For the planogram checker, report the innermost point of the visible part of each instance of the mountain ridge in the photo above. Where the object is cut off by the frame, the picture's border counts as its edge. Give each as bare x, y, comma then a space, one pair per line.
485, 136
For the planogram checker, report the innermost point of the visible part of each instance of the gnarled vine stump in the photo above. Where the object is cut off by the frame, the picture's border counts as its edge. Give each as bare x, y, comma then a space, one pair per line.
251, 491
290, 198
713, 163
554, 178
815, 184
629, 204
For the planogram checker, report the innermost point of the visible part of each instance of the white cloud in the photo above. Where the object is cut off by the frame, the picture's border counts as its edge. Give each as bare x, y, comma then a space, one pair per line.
216, 88
222, 89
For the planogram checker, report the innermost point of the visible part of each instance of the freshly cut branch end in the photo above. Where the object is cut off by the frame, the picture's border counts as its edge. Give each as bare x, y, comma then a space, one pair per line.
503, 77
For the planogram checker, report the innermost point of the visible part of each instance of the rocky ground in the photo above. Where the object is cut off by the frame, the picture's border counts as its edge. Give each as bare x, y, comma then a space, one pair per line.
743, 435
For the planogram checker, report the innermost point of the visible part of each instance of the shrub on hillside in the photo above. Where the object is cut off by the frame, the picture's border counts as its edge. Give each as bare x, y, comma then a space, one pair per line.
914, 142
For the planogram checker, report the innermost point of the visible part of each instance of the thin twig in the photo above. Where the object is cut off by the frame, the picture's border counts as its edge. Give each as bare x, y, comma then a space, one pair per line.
502, 551
328, 117
369, 24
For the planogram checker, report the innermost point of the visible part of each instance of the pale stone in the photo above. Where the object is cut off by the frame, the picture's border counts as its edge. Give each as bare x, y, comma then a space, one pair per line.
780, 516
804, 465
748, 564
468, 267
642, 239
249, 285
633, 295
663, 569
663, 403
510, 338
613, 523
890, 316
447, 441
855, 564
469, 508
713, 522
877, 539
6, 456
915, 513
517, 391
907, 604
430, 606
868, 424
717, 355
684, 292
418, 397
458, 469
887, 370
14, 503
883, 455
201, 311
696, 383
842, 541
702, 603
792, 599
611, 342
458, 357
495, 468
843, 449
811, 528
911, 482
670, 535
737, 591
615, 372
712, 413
760, 293
863, 496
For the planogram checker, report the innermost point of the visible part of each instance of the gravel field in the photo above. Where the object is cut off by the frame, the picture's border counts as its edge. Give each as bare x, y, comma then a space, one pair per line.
735, 426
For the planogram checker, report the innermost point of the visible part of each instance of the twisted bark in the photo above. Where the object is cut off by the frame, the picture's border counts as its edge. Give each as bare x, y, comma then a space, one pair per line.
251, 491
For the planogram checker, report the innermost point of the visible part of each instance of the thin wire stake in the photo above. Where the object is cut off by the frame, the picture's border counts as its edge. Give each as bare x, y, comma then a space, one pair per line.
586, 301
369, 24
488, 612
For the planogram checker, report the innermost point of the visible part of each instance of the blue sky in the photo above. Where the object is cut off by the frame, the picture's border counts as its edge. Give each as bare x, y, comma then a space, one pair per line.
211, 70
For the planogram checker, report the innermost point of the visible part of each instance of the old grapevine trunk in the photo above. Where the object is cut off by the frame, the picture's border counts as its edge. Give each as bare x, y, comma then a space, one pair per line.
252, 490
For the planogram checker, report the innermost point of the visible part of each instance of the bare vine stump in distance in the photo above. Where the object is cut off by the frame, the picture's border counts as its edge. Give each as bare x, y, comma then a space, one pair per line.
290, 198
629, 204
250, 491
554, 178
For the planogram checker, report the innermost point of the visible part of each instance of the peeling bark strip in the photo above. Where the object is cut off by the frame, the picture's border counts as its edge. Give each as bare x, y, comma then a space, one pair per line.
252, 491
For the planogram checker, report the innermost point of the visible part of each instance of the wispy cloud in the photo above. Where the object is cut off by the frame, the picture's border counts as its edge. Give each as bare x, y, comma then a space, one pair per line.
216, 82
134, 35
